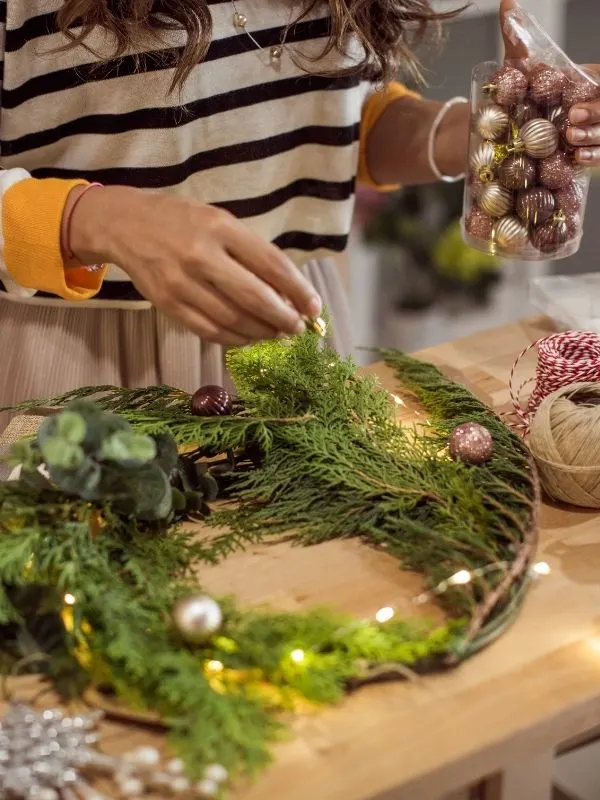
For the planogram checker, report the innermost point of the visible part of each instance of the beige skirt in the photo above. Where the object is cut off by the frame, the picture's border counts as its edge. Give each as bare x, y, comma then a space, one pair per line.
48, 350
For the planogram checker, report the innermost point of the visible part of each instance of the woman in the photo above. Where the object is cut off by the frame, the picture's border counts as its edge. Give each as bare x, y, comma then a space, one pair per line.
226, 135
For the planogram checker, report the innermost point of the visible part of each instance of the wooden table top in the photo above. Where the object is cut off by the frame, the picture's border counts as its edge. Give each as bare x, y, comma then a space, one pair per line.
531, 691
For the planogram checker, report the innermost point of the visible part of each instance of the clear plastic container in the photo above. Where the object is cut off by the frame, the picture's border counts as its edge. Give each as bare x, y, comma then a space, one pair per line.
525, 195
571, 301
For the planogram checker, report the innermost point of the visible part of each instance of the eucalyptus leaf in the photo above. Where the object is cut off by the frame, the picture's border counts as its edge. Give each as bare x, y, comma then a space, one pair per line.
128, 448
167, 455
83, 481
71, 426
58, 452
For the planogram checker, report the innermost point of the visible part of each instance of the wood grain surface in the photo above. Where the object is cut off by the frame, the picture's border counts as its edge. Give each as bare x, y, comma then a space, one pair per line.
535, 689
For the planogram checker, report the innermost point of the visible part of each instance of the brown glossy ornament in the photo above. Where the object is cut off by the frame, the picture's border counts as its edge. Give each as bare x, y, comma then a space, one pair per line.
492, 122
508, 86
479, 225
552, 235
556, 171
535, 206
495, 200
517, 172
540, 138
524, 112
210, 401
570, 198
546, 85
510, 234
471, 443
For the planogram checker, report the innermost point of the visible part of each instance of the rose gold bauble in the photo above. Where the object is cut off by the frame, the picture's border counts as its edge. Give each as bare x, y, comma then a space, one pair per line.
517, 172
556, 172
547, 86
508, 86
479, 225
535, 206
581, 91
471, 443
569, 198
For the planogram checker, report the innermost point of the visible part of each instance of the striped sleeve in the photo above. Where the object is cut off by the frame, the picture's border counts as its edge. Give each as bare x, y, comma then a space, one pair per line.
31, 214
375, 105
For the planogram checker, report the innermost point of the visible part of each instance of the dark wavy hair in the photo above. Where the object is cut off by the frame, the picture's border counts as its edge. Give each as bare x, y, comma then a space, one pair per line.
388, 30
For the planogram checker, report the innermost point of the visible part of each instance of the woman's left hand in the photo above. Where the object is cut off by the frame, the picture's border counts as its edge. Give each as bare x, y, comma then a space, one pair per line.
584, 133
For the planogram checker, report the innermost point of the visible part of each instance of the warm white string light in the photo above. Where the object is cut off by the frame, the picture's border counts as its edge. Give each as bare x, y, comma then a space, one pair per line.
297, 656
385, 614
69, 599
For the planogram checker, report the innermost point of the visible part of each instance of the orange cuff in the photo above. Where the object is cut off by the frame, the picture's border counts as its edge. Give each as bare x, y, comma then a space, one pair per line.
32, 212
374, 107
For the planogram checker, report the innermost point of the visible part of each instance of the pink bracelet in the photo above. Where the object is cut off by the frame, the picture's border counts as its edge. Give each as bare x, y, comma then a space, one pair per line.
69, 223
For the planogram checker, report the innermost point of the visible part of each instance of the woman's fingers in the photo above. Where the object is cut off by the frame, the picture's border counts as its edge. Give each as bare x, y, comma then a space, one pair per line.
255, 296
273, 266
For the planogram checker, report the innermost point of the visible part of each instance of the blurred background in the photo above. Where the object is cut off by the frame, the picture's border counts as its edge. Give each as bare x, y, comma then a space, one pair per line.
411, 280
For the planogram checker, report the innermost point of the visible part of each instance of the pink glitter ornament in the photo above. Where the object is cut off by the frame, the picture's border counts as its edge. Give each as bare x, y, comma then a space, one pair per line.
508, 86
570, 198
547, 86
478, 224
556, 172
471, 443
581, 92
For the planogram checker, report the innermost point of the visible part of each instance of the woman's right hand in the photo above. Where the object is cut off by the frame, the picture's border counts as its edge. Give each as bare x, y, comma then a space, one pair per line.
196, 263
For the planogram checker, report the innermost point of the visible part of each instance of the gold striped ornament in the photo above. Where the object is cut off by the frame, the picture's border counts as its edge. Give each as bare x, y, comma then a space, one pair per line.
492, 122
483, 162
510, 234
539, 137
495, 200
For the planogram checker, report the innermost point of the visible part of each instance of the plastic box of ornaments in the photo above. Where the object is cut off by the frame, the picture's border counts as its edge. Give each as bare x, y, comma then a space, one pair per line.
525, 195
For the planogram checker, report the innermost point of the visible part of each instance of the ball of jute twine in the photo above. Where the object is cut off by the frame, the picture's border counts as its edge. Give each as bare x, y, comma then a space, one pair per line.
564, 439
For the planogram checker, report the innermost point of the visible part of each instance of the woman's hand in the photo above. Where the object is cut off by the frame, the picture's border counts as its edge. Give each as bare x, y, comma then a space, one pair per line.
197, 264
584, 134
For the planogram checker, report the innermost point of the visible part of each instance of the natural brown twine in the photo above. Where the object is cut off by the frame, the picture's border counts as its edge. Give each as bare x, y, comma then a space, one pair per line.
565, 442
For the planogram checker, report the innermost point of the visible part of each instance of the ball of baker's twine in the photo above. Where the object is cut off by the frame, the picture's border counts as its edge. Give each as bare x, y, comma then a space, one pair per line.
564, 439
563, 359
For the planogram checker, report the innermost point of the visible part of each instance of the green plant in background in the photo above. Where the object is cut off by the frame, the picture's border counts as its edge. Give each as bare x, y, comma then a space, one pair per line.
454, 258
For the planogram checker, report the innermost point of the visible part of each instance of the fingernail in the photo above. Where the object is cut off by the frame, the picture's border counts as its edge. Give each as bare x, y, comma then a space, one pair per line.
577, 135
584, 154
578, 115
315, 307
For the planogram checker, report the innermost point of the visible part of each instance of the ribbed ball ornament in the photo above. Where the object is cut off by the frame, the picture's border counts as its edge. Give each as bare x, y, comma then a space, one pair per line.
483, 162
510, 233
517, 172
540, 138
492, 122
535, 206
495, 200
552, 235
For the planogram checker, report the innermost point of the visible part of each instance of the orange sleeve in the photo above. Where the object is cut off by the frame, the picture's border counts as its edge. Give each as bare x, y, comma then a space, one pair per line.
32, 212
374, 107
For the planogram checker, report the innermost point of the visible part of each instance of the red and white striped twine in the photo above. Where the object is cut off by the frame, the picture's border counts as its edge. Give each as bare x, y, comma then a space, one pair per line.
563, 358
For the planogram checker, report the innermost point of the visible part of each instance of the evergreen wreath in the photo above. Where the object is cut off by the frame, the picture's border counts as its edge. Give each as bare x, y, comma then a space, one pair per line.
94, 555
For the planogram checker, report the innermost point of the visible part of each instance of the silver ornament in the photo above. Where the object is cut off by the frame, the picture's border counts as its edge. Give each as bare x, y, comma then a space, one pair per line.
50, 756
539, 137
483, 162
197, 618
495, 200
492, 121
510, 234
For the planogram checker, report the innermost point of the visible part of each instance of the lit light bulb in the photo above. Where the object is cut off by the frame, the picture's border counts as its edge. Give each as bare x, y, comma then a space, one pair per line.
297, 656
385, 614
214, 666
398, 400
69, 599
541, 568
460, 578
